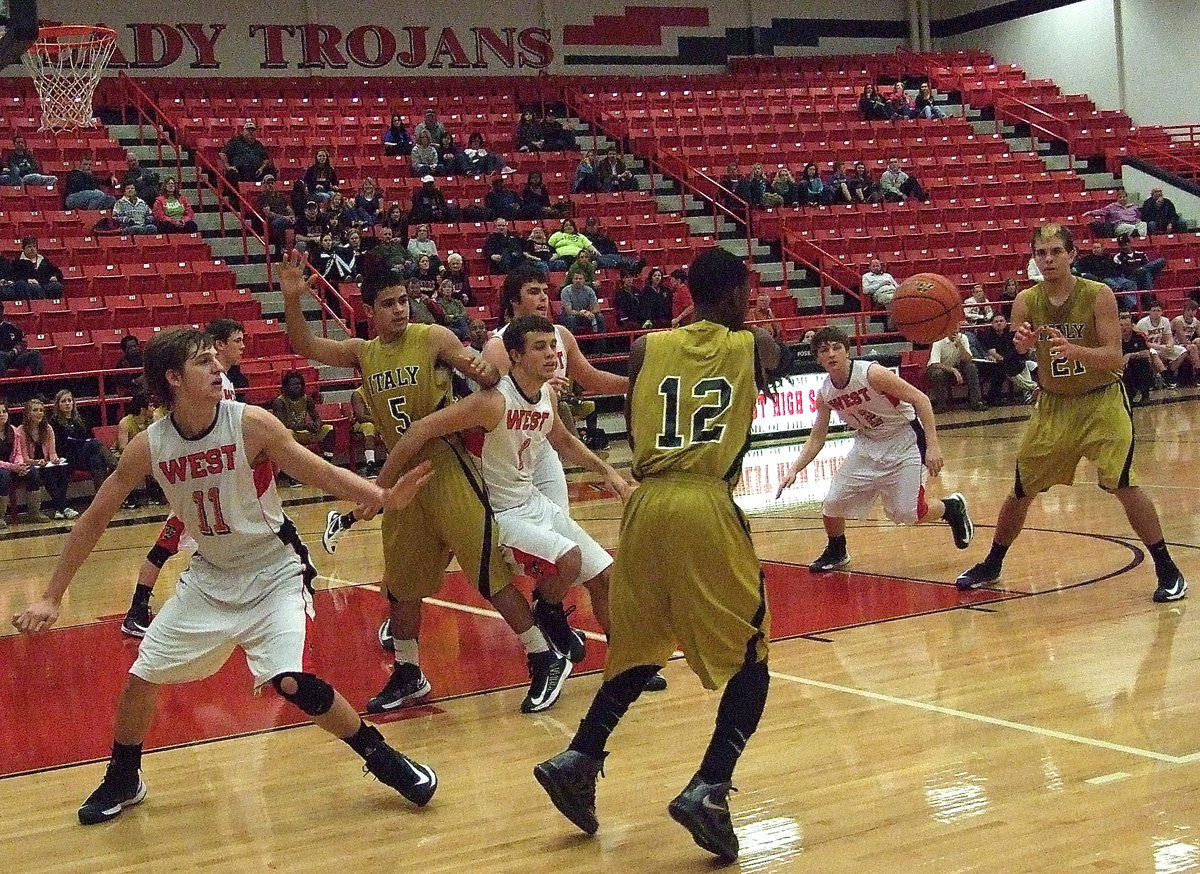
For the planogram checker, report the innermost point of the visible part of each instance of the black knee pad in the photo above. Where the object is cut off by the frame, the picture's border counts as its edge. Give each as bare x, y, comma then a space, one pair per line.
313, 695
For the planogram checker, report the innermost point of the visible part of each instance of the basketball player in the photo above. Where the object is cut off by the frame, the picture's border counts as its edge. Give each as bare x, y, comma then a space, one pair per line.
1083, 410
517, 416
406, 376
1171, 355
686, 569
895, 442
229, 340
248, 584
1186, 329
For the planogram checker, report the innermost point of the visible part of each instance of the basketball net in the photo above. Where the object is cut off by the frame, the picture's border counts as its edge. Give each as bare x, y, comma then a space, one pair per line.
66, 64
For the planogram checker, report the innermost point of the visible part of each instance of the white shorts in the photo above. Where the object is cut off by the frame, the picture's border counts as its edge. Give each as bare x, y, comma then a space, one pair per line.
550, 479
890, 468
542, 530
1170, 353
194, 635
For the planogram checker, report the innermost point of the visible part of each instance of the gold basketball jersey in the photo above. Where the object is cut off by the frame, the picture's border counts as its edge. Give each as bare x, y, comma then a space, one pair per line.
1076, 319
403, 381
693, 401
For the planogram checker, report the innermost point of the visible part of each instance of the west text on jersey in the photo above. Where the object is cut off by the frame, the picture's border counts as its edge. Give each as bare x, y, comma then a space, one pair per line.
526, 420
208, 462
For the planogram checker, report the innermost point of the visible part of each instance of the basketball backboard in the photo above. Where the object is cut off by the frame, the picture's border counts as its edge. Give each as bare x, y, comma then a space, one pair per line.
18, 28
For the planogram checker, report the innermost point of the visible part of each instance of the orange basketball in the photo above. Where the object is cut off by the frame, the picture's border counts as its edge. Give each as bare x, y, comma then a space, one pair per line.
927, 307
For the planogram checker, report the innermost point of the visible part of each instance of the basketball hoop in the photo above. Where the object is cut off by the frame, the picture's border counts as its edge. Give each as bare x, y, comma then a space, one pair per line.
66, 63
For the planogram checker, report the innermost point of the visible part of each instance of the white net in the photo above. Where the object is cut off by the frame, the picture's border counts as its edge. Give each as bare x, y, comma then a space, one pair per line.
66, 64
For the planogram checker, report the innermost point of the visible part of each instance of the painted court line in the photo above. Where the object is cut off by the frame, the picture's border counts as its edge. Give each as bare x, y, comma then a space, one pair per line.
991, 720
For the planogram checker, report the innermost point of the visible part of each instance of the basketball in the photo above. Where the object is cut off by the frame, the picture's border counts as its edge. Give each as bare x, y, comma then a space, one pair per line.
926, 308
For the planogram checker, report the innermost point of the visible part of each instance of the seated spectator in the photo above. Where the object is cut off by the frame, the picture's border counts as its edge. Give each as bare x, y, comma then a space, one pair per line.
1160, 214
424, 157
627, 304
14, 354
430, 125
682, 306
898, 186
762, 312
339, 213
581, 307
172, 212
421, 306
899, 103
530, 133
614, 175
362, 423
454, 314
879, 285
863, 189
1171, 355
655, 299
924, 106
977, 307
423, 244
351, 253
735, 183
605, 249
584, 264
275, 207
298, 412
812, 189
1010, 291
449, 155
130, 359
950, 364
132, 213
310, 226
557, 138
838, 185
34, 276
396, 139
397, 220
502, 201
537, 249
1102, 267
758, 191
998, 341
39, 451
22, 168
567, 243
456, 272
1136, 265
13, 468
147, 182
587, 180
476, 160
425, 275
535, 199
872, 105
1138, 373
430, 205
76, 442
327, 261
138, 417
245, 158
391, 250
367, 208
82, 190
784, 186
321, 178
1117, 218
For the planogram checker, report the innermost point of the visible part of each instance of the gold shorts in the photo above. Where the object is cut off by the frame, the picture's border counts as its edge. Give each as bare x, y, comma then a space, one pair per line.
686, 574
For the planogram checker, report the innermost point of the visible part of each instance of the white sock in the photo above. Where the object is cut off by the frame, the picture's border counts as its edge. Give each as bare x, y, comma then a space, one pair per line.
369, 456
406, 652
533, 640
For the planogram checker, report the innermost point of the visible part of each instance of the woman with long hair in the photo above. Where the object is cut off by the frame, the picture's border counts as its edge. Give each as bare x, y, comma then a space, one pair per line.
38, 448
172, 212
75, 442
320, 178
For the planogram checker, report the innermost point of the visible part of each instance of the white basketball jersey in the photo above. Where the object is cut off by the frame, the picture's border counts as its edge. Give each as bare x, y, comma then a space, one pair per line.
871, 413
227, 390
559, 334
512, 448
1188, 330
1158, 335
235, 516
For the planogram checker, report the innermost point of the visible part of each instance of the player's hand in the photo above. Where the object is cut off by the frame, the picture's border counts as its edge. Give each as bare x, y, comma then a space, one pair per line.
1025, 338
619, 484
787, 483
560, 384
38, 616
401, 494
933, 460
291, 277
958, 377
483, 372
1060, 346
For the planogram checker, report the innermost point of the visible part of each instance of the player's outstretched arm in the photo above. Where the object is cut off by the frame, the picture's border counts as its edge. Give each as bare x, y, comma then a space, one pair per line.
495, 354
812, 446
570, 447
883, 380
293, 285
131, 471
597, 381
450, 351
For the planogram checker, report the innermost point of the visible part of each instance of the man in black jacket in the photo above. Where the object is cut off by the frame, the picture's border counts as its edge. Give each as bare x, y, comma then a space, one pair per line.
1160, 214
82, 190
998, 342
503, 249
502, 201
609, 256
430, 205
34, 275
13, 354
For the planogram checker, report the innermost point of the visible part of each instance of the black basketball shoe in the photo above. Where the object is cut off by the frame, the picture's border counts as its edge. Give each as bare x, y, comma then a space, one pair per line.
406, 685
830, 560
552, 620
110, 798
1170, 588
335, 526
570, 780
414, 781
657, 683
703, 809
137, 621
983, 574
959, 520
548, 671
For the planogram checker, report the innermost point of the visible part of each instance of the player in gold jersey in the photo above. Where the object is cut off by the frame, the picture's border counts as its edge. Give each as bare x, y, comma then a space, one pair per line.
686, 570
1082, 412
406, 376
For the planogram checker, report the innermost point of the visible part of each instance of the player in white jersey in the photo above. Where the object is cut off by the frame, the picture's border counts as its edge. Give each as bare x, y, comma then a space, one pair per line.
895, 442
1186, 331
520, 423
247, 583
229, 341
1168, 356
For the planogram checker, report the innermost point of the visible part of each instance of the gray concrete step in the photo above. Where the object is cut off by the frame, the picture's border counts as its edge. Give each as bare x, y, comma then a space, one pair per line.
1100, 180
250, 274
738, 247
232, 247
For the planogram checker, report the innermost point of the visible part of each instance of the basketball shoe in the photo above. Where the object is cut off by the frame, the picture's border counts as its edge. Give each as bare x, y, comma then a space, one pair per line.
703, 809
406, 685
657, 683
983, 574
335, 526
959, 520
385, 636
137, 621
548, 671
1170, 588
830, 560
552, 620
414, 781
110, 798
570, 780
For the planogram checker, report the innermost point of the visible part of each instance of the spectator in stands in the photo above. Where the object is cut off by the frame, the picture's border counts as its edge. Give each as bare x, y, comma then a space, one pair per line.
476, 160
390, 248
1160, 214
40, 451
397, 220
172, 212
1102, 267
580, 307
449, 155
537, 249
76, 443
367, 208
977, 307
556, 136
339, 212
276, 210
147, 182
998, 341
607, 255
567, 243
587, 180
131, 353
132, 213
535, 199
1010, 291
14, 354
627, 304
900, 105
321, 178
784, 186
762, 312
396, 139
584, 264
502, 201
1171, 356
682, 305
431, 126
614, 175
423, 244
838, 185
245, 158
22, 168
430, 205
950, 364
655, 299
424, 157
454, 314
34, 276
898, 186
1138, 374
924, 106
1117, 218
872, 105
82, 190
328, 264
425, 274
530, 134
310, 227
758, 189
812, 189
1137, 265
503, 249
13, 467
456, 272
863, 189
298, 412
351, 252
879, 285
